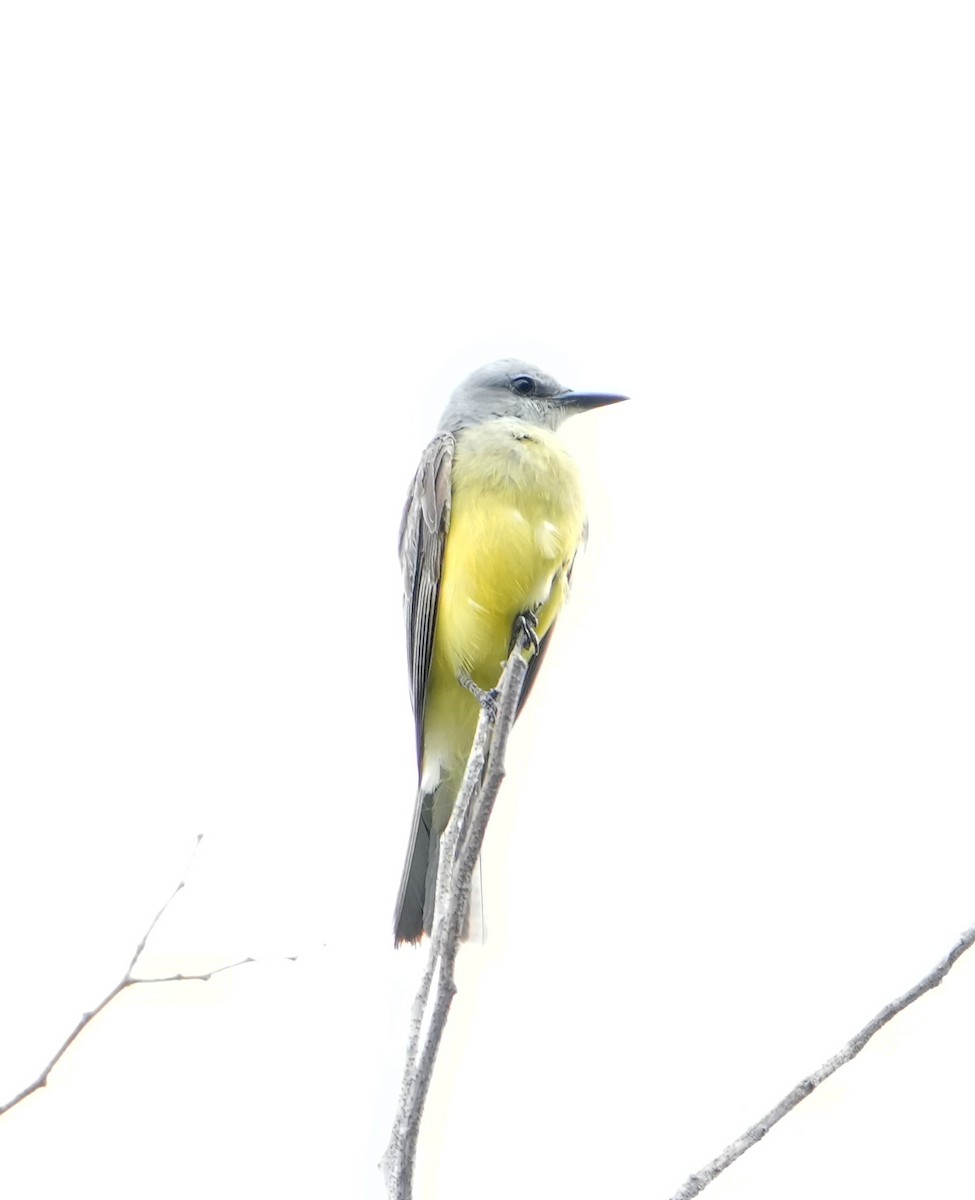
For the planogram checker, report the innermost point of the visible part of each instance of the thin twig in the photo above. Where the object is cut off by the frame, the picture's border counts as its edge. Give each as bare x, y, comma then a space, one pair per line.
458, 854
471, 782
697, 1182
129, 980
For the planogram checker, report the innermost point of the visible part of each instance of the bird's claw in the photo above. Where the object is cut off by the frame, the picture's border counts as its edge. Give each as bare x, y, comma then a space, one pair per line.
487, 700
527, 623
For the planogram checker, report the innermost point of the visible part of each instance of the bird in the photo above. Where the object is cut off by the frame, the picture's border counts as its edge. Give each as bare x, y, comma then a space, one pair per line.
491, 527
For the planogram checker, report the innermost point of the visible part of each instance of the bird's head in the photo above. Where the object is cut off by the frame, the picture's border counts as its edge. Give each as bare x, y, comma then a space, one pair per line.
510, 388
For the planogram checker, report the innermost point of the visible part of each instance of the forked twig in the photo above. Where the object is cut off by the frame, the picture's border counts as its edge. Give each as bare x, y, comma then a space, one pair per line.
129, 980
458, 854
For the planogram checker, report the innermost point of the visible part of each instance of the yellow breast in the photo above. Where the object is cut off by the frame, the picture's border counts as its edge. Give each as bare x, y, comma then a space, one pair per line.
517, 519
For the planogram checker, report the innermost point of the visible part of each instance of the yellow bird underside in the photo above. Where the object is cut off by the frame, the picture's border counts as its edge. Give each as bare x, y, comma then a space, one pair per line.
517, 520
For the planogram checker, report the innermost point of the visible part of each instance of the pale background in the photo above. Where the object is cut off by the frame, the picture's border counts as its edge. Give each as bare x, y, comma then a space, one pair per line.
247, 250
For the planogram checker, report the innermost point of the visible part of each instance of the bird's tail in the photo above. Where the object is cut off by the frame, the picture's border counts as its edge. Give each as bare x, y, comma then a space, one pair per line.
418, 887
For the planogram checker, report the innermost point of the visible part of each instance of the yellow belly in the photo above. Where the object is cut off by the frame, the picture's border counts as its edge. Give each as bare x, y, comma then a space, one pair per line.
517, 519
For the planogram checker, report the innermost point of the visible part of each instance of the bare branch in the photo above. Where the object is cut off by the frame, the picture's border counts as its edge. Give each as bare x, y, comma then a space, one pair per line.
461, 845
697, 1182
458, 854
129, 980
155, 920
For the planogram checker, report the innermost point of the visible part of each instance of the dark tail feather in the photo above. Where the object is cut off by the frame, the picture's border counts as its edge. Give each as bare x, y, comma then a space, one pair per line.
430, 893
414, 906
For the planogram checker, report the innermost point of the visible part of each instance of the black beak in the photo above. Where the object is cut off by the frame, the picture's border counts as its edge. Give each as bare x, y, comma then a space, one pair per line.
582, 401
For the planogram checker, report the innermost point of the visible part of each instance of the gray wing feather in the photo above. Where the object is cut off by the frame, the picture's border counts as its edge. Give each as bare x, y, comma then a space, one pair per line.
422, 536
536, 659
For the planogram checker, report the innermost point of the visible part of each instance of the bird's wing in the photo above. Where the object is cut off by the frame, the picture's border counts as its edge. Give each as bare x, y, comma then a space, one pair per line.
536, 659
422, 536
533, 664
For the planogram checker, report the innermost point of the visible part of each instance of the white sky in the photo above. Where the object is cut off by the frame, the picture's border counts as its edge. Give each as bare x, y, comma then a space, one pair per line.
247, 251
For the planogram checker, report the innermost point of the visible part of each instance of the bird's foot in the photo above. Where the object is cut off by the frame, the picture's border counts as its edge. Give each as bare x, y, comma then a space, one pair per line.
526, 623
487, 700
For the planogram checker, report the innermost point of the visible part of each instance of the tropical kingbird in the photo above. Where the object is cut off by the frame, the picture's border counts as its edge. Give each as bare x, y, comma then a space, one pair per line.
491, 527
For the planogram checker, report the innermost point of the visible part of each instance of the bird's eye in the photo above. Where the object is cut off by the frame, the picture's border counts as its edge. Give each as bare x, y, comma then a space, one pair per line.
523, 385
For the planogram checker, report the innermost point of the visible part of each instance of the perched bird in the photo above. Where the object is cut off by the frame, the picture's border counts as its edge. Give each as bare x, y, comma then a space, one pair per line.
489, 533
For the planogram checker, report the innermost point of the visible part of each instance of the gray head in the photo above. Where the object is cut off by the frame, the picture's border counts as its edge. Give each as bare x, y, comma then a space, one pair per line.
509, 388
